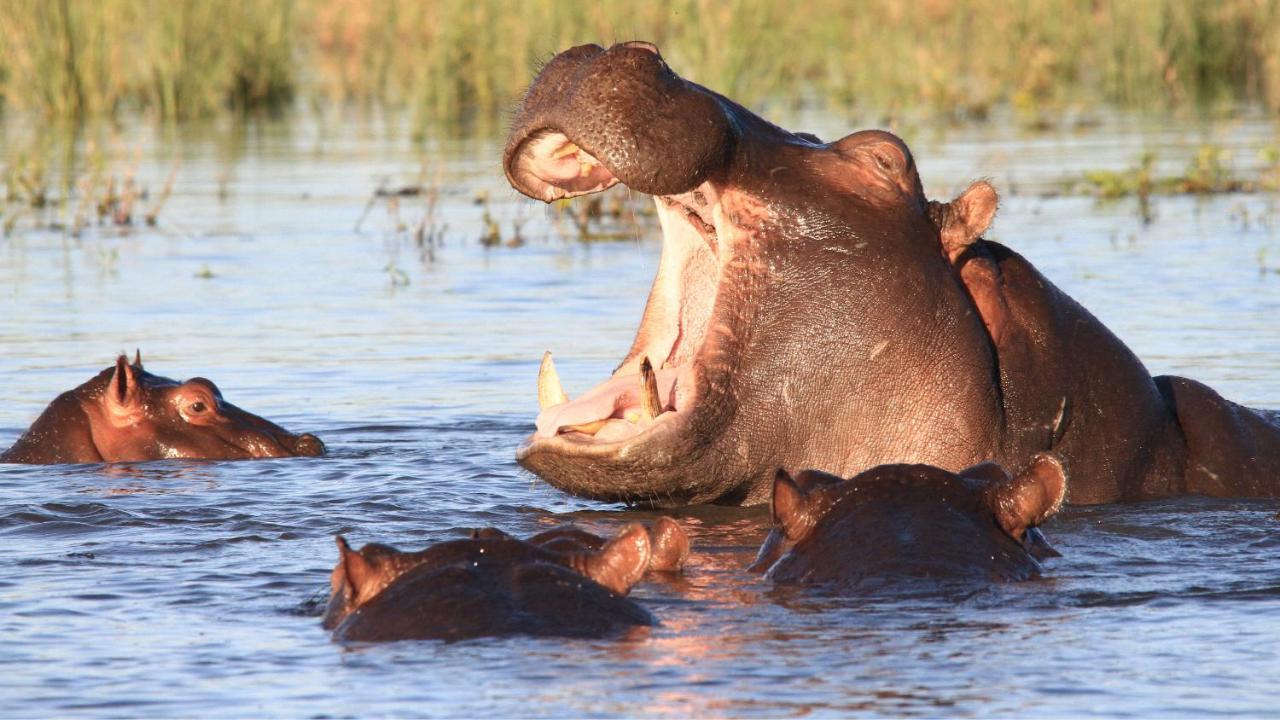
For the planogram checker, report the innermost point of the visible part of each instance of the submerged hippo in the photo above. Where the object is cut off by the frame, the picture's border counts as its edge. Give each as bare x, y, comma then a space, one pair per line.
125, 413
813, 309
896, 522
489, 585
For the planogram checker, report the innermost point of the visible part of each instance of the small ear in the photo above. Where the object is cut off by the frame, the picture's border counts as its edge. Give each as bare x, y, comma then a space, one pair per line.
352, 568
122, 391
1031, 497
622, 562
968, 217
789, 507
669, 545
137, 358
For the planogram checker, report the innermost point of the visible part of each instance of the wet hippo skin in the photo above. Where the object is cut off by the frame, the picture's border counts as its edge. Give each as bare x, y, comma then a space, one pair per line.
813, 309
668, 542
488, 585
896, 523
125, 413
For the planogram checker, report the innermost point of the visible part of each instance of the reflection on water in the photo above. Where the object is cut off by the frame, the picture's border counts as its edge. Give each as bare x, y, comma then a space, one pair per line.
192, 588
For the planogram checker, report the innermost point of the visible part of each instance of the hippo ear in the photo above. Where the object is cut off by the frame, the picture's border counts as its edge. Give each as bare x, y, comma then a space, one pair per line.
622, 561
965, 219
1031, 497
122, 390
789, 507
669, 545
137, 358
353, 569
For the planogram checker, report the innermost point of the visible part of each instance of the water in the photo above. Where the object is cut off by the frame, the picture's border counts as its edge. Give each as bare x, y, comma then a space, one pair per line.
191, 588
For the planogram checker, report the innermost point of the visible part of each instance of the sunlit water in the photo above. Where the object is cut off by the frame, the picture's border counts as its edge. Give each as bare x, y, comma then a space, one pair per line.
191, 588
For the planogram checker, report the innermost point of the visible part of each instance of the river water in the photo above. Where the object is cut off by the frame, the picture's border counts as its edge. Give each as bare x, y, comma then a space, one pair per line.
191, 588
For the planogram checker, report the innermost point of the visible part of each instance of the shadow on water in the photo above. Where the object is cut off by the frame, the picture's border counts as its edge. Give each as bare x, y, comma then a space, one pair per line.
193, 588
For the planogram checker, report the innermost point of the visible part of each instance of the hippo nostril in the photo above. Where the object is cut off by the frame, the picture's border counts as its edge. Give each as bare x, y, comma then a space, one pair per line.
642, 45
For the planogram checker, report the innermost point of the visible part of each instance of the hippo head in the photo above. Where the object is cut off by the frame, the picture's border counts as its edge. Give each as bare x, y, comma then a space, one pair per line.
127, 414
362, 575
803, 313
135, 415
910, 520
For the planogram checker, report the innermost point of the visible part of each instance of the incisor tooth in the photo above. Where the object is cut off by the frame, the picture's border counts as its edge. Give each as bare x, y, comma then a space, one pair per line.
550, 391
650, 403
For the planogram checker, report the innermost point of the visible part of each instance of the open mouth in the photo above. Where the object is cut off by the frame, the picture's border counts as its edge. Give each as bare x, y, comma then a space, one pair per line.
660, 380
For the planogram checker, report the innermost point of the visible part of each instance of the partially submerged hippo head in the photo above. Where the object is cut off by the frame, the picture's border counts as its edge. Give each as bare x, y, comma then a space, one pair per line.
803, 314
128, 414
910, 521
489, 584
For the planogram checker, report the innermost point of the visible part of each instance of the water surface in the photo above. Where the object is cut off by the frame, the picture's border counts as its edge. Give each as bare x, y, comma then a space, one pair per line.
181, 588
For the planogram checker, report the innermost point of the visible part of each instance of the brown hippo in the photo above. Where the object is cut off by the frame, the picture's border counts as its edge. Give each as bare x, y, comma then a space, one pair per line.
483, 586
125, 413
896, 522
668, 542
813, 309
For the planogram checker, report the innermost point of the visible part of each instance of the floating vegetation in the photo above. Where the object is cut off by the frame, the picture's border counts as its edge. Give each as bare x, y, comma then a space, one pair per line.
603, 218
96, 196
1209, 171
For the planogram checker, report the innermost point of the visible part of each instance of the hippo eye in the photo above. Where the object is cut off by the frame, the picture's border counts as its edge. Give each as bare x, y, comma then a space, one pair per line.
198, 407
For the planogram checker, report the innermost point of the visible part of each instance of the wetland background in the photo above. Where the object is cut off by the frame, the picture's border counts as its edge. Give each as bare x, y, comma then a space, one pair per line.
303, 201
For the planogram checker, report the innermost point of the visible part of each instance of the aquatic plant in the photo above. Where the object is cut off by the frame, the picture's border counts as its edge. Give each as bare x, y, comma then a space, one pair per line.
467, 60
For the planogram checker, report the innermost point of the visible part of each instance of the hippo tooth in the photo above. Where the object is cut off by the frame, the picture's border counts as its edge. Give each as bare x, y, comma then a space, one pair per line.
550, 391
650, 402
565, 151
590, 428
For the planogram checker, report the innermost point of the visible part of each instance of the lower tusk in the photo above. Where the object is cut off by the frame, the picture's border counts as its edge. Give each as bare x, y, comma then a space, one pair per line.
550, 391
590, 428
650, 402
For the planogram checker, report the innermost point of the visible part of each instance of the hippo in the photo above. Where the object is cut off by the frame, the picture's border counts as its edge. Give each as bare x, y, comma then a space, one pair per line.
812, 308
488, 585
896, 523
125, 413
668, 542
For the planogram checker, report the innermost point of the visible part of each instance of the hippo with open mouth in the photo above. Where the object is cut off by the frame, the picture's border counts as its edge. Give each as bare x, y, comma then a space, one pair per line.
125, 413
813, 309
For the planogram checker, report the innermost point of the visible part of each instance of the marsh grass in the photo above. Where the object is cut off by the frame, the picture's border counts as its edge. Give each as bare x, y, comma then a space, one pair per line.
465, 61
178, 58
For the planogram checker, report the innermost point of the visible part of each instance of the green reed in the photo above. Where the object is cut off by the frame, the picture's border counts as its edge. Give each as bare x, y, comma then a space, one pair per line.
467, 60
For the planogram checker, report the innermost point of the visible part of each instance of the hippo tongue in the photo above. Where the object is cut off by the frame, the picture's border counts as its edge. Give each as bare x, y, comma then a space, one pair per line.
617, 398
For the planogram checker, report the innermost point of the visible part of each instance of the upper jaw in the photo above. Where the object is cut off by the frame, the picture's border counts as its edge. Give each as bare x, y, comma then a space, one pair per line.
546, 165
